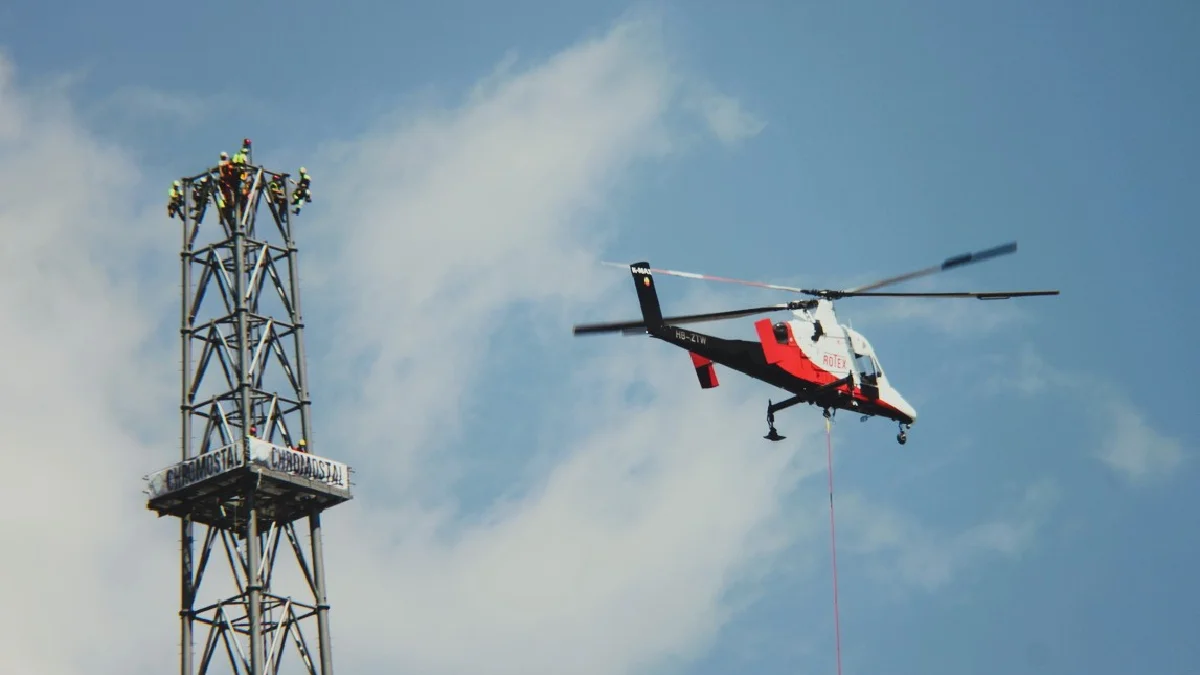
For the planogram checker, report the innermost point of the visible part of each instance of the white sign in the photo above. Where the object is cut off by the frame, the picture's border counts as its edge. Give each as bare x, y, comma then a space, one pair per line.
262, 454
196, 469
299, 464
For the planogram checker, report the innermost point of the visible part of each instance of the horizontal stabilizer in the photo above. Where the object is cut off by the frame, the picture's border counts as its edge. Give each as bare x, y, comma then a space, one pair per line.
706, 372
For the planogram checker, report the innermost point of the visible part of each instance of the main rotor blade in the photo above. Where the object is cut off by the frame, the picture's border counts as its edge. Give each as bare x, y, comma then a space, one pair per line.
634, 327
947, 264
991, 295
709, 277
862, 291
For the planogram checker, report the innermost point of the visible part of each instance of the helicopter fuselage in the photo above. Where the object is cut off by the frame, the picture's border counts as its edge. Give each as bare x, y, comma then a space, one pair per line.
812, 357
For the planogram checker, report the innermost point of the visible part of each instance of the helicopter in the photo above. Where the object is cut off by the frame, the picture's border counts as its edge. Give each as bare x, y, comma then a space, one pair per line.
815, 358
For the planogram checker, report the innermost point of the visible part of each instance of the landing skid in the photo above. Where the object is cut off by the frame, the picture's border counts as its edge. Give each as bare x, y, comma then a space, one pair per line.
772, 408
774, 435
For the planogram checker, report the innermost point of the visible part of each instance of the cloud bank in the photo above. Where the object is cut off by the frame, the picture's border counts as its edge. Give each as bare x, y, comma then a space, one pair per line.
1130, 447
81, 391
619, 554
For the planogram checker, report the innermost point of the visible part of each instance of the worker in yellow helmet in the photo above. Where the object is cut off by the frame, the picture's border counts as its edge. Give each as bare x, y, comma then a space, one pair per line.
175, 200
201, 191
302, 193
278, 191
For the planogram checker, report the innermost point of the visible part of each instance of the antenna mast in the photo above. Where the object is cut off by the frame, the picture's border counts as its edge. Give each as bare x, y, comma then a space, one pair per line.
249, 475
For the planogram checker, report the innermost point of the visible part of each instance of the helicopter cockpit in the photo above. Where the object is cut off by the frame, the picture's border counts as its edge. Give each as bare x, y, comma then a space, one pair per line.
869, 370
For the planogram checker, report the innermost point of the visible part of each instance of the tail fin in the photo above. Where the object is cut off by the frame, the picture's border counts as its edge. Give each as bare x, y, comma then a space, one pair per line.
706, 372
647, 295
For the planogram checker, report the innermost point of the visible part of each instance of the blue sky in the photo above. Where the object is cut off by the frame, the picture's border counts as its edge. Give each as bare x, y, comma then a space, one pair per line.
531, 501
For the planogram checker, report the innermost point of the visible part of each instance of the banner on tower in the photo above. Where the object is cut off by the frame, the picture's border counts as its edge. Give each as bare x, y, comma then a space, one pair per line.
299, 464
262, 454
197, 469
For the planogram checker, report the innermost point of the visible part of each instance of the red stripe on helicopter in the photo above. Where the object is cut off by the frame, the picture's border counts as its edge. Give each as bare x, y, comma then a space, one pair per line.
789, 356
793, 360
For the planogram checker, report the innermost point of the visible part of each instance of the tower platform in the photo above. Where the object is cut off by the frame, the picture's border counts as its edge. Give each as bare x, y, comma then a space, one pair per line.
211, 488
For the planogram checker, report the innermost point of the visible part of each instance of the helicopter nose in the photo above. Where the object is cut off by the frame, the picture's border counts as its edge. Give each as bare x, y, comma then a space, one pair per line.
904, 407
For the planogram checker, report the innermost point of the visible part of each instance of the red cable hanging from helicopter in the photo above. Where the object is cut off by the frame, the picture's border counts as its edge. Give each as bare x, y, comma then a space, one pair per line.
837, 622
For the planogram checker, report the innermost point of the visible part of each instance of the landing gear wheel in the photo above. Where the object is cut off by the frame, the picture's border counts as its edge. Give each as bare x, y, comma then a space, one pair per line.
826, 413
902, 438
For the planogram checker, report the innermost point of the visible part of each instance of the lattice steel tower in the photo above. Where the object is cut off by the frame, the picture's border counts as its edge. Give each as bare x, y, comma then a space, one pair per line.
251, 472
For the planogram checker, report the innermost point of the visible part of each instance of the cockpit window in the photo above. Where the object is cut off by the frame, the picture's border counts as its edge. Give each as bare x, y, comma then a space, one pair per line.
864, 358
867, 366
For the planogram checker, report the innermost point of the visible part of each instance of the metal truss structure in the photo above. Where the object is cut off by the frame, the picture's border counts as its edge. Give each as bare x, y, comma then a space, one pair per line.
251, 473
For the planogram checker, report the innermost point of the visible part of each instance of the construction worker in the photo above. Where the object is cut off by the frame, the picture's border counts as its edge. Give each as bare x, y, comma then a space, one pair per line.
229, 184
175, 202
278, 190
302, 193
201, 190
226, 173
242, 160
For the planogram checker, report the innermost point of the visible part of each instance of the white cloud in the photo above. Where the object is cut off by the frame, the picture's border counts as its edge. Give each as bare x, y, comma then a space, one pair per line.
725, 116
622, 553
1026, 372
902, 549
144, 102
1130, 446
487, 206
619, 558
79, 389
466, 212
1135, 450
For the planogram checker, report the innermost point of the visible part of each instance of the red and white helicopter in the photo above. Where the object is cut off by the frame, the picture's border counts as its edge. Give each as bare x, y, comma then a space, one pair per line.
812, 356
